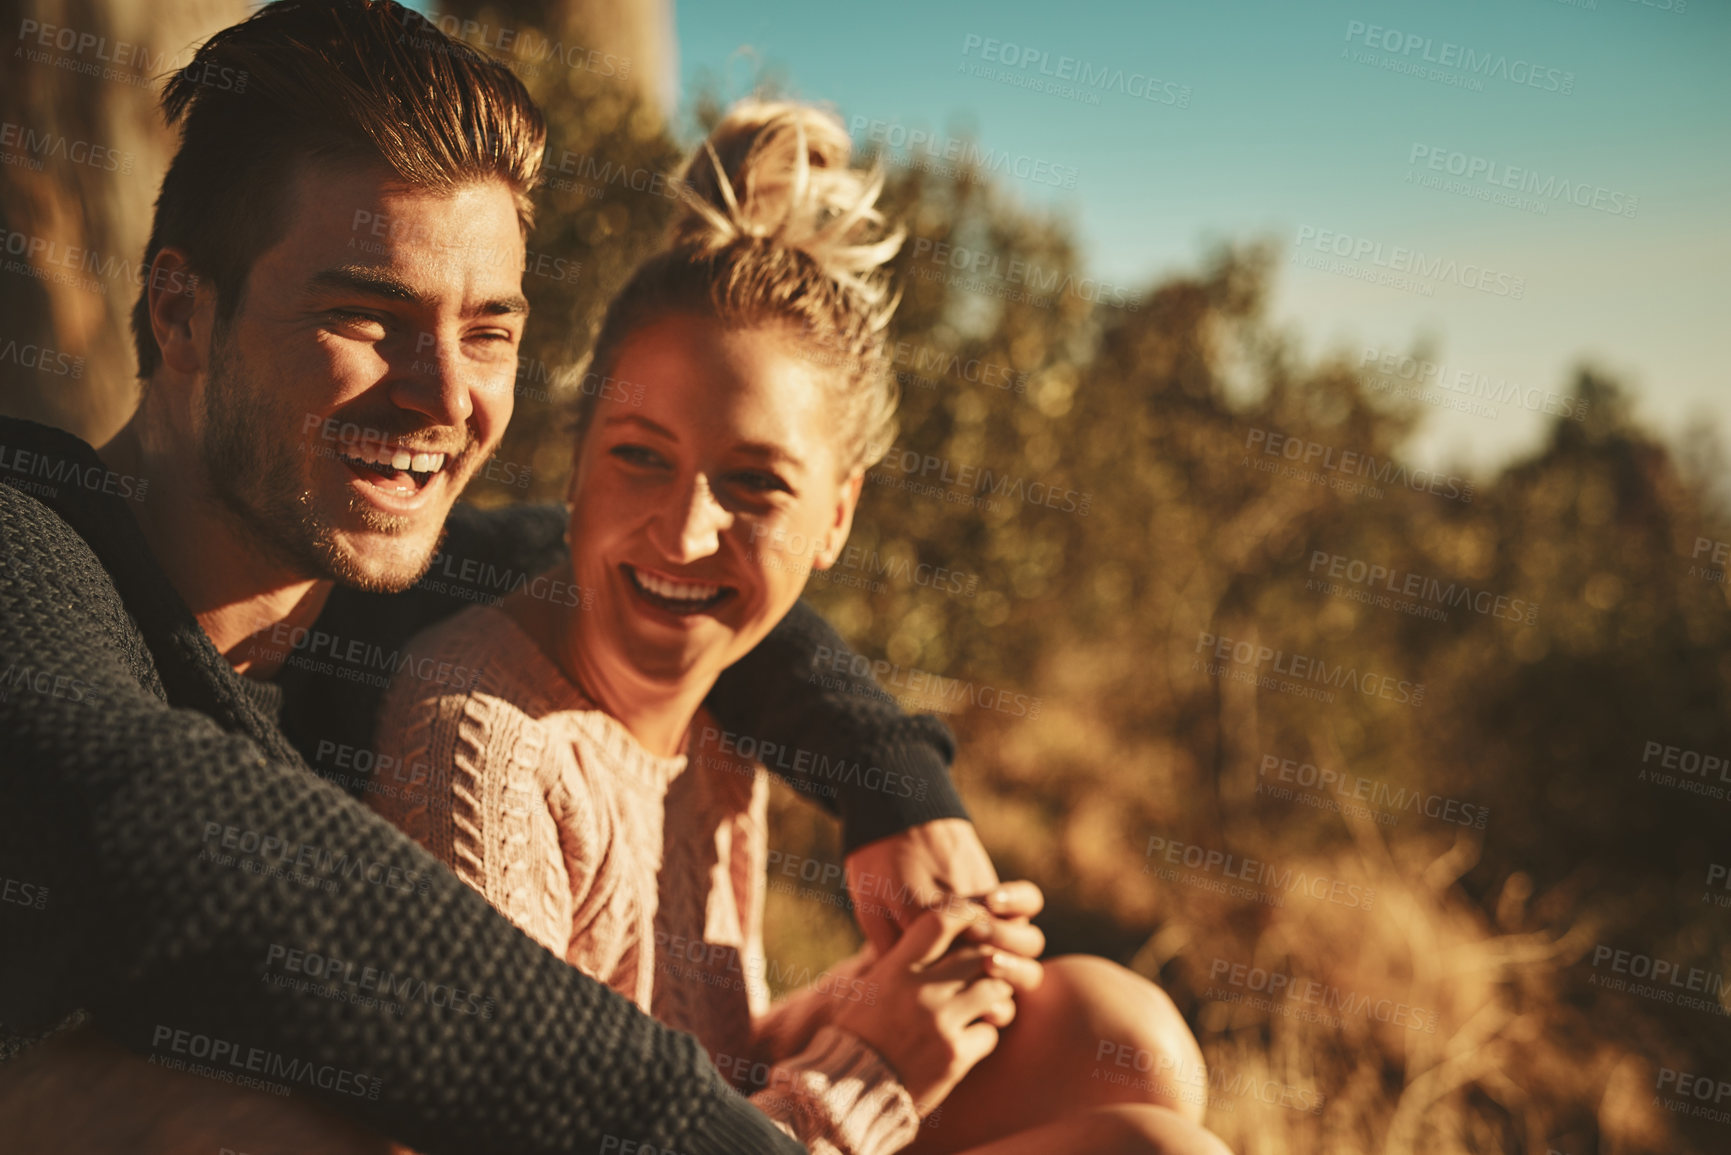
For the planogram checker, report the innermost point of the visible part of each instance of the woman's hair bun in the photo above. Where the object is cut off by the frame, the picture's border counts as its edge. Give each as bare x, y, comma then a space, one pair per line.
779, 172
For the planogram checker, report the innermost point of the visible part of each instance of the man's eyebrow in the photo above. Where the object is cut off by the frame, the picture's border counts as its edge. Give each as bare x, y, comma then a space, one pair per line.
378, 283
373, 282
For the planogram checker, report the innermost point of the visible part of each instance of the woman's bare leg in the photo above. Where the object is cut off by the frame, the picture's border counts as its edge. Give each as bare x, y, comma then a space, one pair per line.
1094, 1035
1125, 1129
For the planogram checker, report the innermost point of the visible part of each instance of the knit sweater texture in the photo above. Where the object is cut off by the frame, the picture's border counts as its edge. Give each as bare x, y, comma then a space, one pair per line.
646, 872
178, 847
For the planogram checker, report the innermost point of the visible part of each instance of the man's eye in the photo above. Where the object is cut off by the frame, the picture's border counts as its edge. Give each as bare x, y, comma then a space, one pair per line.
352, 319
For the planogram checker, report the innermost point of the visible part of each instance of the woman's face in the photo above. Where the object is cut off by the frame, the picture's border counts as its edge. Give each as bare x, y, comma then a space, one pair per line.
705, 490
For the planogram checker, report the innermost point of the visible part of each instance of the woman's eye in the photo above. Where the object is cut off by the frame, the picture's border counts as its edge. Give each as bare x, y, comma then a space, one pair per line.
758, 482
636, 455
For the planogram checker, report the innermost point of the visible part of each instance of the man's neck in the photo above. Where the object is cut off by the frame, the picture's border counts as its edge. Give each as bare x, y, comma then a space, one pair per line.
250, 605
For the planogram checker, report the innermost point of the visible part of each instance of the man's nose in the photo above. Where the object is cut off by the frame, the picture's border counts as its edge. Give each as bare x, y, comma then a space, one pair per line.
438, 384
693, 529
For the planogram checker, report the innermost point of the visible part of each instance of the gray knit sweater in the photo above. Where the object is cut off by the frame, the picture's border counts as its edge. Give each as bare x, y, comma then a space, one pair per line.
139, 778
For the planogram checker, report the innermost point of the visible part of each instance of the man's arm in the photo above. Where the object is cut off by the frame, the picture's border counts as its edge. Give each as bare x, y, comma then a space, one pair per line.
809, 708
802, 702
180, 866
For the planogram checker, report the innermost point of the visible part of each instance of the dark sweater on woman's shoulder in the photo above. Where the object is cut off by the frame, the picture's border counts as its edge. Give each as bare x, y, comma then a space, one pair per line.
164, 844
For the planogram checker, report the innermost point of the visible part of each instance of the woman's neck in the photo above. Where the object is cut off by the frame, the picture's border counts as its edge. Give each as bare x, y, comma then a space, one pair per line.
657, 714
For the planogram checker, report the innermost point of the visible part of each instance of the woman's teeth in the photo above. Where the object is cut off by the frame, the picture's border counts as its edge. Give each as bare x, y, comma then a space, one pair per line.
690, 594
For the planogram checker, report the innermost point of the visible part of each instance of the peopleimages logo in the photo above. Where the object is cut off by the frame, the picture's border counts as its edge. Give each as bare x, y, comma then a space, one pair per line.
1460, 62
37, 145
1318, 456
927, 152
227, 1058
1427, 377
1498, 175
927, 690
1315, 785
1277, 987
1419, 588
1268, 883
1660, 979
1068, 76
1301, 669
1412, 262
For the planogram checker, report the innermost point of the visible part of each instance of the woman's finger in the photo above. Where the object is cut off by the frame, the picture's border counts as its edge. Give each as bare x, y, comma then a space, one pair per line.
963, 964
1000, 1015
974, 1001
1018, 899
1013, 935
1025, 974
929, 936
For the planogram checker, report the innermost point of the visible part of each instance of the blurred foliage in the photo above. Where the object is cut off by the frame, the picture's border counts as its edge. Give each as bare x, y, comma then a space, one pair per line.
1150, 411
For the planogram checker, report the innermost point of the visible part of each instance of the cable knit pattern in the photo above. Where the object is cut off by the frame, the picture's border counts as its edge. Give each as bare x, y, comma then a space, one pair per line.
129, 752
647, 873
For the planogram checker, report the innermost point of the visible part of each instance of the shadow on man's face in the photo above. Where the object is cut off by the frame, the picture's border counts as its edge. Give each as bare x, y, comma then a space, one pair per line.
367, 373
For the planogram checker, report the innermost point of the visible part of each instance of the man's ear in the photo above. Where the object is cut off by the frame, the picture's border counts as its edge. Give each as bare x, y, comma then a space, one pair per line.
173, 297
836, 535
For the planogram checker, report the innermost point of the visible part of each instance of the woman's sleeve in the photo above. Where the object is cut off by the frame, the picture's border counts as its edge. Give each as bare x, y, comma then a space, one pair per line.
839, 1097
180, 863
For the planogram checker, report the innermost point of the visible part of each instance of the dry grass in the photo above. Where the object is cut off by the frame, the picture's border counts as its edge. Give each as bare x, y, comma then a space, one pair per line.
1508, 1054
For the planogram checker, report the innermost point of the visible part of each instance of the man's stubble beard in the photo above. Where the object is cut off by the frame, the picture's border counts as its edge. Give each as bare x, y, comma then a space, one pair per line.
253, 471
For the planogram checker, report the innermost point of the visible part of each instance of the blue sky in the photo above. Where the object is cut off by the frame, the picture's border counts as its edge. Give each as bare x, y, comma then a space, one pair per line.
1273, 118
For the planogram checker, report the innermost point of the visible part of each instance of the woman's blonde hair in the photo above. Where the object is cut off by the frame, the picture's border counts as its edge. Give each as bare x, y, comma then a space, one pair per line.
775, 228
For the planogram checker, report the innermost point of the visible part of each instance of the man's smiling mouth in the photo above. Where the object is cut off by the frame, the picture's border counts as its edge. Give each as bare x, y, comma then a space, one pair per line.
393, 467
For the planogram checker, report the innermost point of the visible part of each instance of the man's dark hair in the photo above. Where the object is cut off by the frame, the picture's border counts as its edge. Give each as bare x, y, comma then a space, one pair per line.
346, 81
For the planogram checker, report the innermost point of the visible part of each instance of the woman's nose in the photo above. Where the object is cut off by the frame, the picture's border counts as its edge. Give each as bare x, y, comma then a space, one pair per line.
693, 530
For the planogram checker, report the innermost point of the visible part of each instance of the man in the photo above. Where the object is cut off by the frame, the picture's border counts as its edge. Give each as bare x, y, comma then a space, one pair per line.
196, 617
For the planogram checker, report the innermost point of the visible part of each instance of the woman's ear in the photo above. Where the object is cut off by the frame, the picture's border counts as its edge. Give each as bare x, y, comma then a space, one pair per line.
847, 500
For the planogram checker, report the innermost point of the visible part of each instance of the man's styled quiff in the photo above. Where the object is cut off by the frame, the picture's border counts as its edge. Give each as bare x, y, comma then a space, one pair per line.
344, 81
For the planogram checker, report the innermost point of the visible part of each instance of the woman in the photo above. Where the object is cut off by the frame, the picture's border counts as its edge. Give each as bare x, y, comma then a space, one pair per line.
560, 785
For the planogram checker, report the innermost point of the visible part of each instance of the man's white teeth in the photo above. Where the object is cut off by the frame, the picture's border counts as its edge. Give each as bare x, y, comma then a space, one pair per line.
675, 591
399, 459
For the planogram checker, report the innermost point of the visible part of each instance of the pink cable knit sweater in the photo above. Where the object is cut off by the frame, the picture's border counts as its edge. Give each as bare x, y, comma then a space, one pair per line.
647, 873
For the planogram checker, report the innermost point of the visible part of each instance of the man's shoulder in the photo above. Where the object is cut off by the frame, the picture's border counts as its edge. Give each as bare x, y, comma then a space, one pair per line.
60, 598
37, 541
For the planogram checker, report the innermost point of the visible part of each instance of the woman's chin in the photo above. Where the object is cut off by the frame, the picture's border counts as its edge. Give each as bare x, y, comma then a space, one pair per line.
676, 669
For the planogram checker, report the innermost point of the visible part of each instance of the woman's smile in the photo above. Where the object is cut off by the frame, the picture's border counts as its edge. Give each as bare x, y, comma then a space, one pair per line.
680, 597
731, 438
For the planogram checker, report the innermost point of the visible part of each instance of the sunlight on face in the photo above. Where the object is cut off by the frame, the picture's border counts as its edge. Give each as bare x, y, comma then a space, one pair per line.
702, 498
368, 373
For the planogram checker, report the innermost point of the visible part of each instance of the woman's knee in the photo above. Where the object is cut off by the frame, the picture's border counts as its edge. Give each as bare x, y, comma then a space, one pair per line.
1135, 1031
1138, 1129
